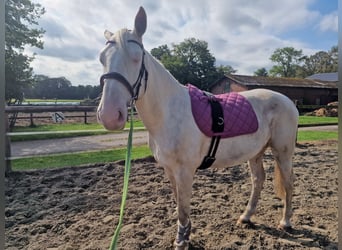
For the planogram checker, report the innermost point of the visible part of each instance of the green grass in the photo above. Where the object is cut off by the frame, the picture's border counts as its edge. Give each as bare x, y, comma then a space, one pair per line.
58, 127
51, 100
76, 159
310, 120
317, 135
69, 129
55, 136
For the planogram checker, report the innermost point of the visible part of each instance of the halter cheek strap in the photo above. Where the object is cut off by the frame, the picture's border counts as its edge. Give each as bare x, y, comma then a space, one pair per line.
120, 78
133, 90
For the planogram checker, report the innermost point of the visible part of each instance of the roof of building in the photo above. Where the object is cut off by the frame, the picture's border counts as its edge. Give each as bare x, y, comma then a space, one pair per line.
277, 81
331, 77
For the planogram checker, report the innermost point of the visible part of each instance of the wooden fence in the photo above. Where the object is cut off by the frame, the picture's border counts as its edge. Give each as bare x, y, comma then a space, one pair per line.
31, 109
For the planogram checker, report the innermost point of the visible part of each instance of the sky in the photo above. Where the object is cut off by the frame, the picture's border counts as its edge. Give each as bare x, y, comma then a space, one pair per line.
239, 33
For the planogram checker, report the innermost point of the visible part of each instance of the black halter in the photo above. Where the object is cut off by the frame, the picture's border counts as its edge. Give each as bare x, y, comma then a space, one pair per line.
134, 91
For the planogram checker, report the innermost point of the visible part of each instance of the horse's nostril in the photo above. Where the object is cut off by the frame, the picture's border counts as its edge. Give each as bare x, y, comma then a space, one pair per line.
120, 116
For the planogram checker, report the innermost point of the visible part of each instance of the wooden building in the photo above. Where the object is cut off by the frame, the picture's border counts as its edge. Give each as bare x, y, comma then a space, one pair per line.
301, 91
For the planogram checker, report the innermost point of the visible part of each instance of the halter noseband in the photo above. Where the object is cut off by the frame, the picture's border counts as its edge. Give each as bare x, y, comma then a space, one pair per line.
134, 91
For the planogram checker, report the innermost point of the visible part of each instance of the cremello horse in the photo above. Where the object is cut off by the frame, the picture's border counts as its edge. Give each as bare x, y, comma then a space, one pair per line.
175, 140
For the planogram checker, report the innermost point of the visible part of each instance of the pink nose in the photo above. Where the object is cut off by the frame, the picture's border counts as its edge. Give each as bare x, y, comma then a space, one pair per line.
113, 120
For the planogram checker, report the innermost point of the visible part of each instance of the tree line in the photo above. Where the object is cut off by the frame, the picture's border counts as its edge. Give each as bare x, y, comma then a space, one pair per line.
189, 61
290, 62
45, 87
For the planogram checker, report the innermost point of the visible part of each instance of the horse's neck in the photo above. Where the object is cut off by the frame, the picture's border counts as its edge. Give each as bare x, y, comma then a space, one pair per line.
162, 97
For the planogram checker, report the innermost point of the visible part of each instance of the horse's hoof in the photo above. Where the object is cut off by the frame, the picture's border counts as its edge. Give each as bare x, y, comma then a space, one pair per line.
246, 223
181, 246
285, 228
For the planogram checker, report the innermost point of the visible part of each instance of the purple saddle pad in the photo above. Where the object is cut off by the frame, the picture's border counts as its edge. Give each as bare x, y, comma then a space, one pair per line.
239, 116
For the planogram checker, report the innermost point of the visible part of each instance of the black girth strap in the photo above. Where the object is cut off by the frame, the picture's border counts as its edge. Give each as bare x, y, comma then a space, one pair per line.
217, 127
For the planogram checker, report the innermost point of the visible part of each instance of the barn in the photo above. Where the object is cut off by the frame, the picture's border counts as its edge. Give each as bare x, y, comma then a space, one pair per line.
302, 91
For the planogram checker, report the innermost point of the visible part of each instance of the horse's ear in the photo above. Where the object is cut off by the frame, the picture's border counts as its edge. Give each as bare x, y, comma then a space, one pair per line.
140, 22
108, 34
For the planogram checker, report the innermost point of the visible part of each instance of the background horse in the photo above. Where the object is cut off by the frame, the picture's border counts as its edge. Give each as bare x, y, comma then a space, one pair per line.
177, 144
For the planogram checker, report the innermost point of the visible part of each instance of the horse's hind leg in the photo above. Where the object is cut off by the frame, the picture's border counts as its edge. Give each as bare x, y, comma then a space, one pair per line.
258, 178
284, 184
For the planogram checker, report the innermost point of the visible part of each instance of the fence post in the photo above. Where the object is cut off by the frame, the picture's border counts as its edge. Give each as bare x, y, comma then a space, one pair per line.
85, 117
7, 147
31, 120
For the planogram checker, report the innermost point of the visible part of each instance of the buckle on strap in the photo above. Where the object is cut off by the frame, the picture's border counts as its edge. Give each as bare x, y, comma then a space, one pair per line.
209, 159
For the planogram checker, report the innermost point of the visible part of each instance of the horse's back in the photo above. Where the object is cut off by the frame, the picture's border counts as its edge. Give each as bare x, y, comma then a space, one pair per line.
277, 112
269, 102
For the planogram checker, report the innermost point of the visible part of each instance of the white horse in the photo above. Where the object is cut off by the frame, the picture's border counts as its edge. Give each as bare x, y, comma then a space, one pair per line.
174, 138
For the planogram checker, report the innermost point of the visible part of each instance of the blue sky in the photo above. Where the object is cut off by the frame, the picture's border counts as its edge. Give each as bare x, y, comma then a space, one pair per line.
240, 33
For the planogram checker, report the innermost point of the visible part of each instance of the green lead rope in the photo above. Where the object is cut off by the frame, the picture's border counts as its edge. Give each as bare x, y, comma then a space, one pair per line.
115, 237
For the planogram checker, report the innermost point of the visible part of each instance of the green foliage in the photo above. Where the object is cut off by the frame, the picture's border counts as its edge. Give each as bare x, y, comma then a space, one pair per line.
161, 51
60, 88
225, 70
320, 62
191, 62
292, 63
287, 61
20, 19
261, 72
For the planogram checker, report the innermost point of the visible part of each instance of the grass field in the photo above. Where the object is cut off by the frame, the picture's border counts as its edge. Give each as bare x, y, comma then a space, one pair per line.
310, 120
51, 100
70, 130
317, 135
64, 160
77, 159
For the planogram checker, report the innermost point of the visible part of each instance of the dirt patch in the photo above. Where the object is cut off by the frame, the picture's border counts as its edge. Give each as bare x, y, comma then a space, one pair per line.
78, 207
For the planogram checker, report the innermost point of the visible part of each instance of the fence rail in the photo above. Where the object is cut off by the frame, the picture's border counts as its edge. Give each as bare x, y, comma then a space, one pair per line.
31, 109
49, 108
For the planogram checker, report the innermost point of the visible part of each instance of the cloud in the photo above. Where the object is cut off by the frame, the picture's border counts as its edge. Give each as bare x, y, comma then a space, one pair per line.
86, 72
329, 22
240, 33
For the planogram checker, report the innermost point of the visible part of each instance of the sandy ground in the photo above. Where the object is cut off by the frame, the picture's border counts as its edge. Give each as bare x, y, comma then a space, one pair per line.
78, 207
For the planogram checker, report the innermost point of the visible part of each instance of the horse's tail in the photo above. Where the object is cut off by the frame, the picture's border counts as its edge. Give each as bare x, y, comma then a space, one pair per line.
278, 182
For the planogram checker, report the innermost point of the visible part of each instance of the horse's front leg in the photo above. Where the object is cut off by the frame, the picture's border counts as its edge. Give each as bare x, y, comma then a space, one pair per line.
181, 182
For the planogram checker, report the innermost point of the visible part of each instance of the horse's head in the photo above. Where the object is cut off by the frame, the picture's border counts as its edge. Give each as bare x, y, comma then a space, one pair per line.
124, 68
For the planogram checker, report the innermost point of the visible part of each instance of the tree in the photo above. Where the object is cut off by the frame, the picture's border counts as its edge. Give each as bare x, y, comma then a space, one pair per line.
60, 88
191, 62
320, 62
161, 51
20, 18
261, 72
51, 88
287, 61
225, 70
